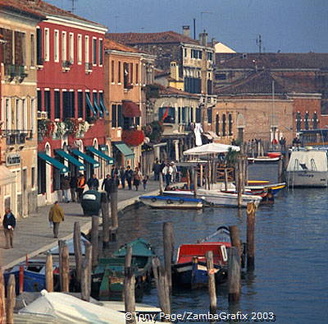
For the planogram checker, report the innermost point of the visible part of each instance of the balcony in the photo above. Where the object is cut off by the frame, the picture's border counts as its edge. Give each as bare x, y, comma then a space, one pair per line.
16, 136
15, 71
88, 67
66, 66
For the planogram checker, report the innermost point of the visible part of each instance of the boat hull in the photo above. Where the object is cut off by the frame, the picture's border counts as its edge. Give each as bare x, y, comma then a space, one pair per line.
172, 202
307, 179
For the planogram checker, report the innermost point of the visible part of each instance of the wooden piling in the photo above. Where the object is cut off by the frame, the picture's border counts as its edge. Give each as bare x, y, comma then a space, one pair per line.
239, 183
63, 266
250, 236
86, 273
49, 273
160, 183
77, 250
161, 286
129, 288
211, 282
2, 298
113, 207
235, 237
11, 299
21, 279
105, 219
195, 183
281, 169
225, 179
94, 240
168, 240
233, 274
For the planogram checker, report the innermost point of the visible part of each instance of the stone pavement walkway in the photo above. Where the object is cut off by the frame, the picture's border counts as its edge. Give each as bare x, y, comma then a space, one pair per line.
33, 234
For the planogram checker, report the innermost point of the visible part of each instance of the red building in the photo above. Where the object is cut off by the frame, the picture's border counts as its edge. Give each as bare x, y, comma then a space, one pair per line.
71, 107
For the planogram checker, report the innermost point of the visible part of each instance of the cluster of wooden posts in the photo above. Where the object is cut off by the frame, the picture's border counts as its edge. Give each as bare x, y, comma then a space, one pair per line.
83, 265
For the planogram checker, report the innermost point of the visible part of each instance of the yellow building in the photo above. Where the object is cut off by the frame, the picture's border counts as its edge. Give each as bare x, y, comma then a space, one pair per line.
18, 140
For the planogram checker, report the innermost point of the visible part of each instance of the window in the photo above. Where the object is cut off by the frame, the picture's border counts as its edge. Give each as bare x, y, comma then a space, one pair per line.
126, 75
80, 105
117, 117
221, 76
209, 115
64, 46
315, 120
112, 71
209, 56
71, 47
306, 120
114, 116
79, 49
33, 177
32, 49
224, 124
198, 115
57, 103
94, 51
39, 57
119, 72
298, 121
46, 44
86, 50
185, 52
25, 115
20, 47
56, 46
131, 73
137, 73
33, 115
230, 124
39, 94
47, 102
101, 52
217, 125
68, 104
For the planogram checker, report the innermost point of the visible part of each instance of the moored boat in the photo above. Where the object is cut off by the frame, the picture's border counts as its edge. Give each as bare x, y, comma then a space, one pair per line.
190, 268
183, 201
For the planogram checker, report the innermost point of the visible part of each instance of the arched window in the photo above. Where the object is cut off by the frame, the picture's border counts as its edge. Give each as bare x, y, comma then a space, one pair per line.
224, 125
315, 120
298, 121
306, 120
217, 123
230, 124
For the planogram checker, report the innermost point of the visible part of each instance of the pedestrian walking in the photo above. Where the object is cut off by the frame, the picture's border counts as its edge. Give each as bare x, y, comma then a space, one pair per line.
73, 184
93, 182
144, 182
167, 173
136, 178
56, 216
66, 188
80, 186
9, 224
122, 176
128, 176
107, 185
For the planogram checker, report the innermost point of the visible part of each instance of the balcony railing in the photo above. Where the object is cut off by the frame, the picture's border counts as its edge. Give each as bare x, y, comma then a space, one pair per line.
15, 71
16, 136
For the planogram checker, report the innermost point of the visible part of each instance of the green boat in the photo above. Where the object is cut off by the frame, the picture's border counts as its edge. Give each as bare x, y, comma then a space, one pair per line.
108, 277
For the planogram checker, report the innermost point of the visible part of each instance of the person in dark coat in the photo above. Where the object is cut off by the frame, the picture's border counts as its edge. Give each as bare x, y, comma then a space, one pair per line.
93, 182
107, 185
157, 169
66, 188
73, 185
9, 224
128, 176
122, 176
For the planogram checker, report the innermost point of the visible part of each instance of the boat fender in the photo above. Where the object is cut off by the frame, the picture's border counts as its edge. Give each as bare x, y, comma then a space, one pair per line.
224, 253
169, 201
153, 199
181, 201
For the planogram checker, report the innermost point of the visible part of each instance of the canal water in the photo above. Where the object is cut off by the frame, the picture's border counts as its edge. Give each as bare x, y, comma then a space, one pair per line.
289, 284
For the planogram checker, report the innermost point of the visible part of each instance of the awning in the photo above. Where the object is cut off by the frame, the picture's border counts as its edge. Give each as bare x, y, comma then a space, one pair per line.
98, 108
80, 166
103, 107
124, 149
86, 158
6, 176
130, 109
89, 104
44, 156
101, 154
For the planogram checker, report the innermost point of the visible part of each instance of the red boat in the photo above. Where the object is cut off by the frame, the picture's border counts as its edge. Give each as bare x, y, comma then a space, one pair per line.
190, 268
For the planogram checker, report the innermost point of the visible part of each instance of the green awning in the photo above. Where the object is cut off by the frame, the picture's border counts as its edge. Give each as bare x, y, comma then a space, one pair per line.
89, 104
124, 149
80, 166
103, 107
44, 156
101, 154
98, 108
86, 158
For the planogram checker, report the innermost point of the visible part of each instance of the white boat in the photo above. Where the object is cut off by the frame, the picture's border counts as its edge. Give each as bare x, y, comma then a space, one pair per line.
224, 199
307, 168
172, 202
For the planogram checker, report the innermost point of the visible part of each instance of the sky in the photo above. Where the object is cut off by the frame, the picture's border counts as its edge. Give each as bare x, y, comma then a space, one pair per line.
288, 26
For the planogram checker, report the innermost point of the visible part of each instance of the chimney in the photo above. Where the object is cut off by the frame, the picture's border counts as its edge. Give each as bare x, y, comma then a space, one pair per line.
174, 71
203, 38
186, 30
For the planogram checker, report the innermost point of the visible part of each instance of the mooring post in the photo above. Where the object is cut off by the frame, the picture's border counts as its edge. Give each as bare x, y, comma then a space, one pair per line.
250, 236
233, 274
235, 238
21, 279
129, 288
105, 219
95, 240
211, 282
2, 298
195, 182
77, 251
86, 273
168, 240
11, 299
49, 273
161, 184
63, 266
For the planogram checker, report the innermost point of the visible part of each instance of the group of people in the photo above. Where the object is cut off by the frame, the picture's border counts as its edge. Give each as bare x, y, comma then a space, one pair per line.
168, 170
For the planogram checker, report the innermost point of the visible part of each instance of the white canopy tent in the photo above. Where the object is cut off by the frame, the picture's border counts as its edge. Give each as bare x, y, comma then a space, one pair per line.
211, 148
